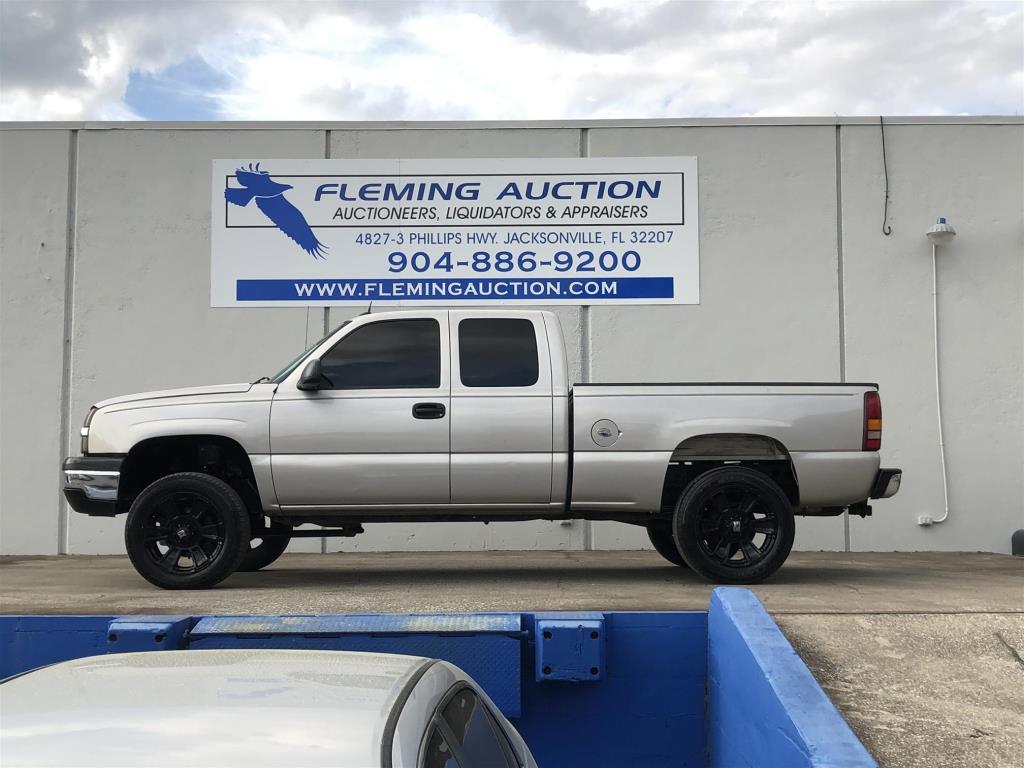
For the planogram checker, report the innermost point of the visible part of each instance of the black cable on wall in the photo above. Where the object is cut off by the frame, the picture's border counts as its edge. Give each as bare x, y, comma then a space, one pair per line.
886, 229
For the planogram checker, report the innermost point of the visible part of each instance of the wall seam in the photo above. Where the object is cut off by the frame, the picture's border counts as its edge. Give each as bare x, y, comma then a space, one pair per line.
584, 328
840, 255
63, 533
841, 289
327, 310
585, 361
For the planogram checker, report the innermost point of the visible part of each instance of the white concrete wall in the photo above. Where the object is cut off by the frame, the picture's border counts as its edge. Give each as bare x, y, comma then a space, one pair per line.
974, 174
33, 251
797, 282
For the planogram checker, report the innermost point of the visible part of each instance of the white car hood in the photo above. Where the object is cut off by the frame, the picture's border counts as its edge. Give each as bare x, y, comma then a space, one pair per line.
252, 707
213, 389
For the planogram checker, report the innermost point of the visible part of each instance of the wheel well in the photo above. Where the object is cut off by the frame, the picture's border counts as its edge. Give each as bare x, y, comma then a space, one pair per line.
697, 455
214, 455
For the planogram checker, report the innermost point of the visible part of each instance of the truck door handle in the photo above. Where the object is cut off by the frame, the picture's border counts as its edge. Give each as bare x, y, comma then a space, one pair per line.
428, 411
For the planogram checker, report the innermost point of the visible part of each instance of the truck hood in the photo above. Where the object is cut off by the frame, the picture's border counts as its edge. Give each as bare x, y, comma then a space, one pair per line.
213, 389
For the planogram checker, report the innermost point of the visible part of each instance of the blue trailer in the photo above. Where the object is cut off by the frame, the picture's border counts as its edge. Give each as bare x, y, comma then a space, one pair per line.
721, 688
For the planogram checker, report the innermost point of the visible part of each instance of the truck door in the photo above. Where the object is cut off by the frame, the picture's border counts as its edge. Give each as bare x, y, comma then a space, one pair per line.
377, 432
501, 422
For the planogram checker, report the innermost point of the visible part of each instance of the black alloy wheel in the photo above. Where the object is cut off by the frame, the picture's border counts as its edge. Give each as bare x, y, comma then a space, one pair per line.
187, 531
734, 525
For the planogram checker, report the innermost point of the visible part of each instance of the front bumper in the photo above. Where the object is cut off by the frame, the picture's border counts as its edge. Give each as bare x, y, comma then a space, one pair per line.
887, 483
91, 482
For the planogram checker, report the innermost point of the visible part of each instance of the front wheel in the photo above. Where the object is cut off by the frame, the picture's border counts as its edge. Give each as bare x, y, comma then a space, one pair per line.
187, 531
263, 550
734, 525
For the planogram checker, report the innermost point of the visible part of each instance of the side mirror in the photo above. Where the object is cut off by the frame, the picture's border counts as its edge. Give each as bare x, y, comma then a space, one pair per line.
311, 379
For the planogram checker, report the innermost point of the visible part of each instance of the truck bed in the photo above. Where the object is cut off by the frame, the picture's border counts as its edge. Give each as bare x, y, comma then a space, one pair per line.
818, 426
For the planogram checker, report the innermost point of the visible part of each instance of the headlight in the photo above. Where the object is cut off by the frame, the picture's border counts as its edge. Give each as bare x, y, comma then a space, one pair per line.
85, 430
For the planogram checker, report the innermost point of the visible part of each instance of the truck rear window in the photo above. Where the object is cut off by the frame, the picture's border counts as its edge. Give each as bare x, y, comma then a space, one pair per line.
498, 352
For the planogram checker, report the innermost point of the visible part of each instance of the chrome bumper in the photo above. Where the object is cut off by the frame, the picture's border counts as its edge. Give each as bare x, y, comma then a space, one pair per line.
99, 484
91, 483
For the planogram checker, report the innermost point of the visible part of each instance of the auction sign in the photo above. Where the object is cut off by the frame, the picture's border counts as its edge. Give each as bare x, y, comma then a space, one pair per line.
457, 232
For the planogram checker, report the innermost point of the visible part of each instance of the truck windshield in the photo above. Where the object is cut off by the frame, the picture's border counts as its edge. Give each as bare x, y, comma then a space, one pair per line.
281, 375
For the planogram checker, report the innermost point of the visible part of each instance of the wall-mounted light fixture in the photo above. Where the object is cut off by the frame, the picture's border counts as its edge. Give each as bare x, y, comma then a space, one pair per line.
941, 232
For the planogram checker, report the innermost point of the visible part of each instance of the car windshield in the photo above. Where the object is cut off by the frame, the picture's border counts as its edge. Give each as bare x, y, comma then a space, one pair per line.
281, 375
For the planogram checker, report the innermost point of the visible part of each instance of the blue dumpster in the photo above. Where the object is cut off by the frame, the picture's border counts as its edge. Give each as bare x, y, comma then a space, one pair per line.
721, 688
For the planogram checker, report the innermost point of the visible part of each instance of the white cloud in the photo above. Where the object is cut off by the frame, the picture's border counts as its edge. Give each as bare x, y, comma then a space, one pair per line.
500, 60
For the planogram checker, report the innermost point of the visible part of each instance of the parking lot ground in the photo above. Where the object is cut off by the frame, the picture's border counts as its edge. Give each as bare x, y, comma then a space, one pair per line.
922, 652
938, 690
810, 582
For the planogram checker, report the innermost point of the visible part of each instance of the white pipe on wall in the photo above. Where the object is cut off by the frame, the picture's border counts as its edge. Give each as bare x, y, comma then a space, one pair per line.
938, 387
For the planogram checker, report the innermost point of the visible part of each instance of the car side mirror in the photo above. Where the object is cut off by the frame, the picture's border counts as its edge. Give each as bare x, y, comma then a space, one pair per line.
311, 378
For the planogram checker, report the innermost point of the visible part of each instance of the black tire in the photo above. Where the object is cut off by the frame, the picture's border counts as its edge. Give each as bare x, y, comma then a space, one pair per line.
268, 549
192, 517
660, 534
734, 525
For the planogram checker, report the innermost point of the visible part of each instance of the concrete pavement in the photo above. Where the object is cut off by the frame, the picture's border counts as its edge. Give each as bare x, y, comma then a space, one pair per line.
940, 690
810, 582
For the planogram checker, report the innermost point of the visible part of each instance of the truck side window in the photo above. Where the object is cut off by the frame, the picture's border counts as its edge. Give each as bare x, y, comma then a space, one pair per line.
388, 354
475, 732
498, 352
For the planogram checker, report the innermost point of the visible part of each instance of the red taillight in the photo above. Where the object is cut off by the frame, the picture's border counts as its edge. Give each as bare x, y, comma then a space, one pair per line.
872, 421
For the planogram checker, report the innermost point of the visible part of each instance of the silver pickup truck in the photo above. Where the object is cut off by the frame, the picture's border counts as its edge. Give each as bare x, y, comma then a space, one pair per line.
432, 415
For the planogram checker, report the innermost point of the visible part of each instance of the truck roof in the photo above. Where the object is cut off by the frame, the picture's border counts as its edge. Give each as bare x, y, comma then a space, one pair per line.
224, 707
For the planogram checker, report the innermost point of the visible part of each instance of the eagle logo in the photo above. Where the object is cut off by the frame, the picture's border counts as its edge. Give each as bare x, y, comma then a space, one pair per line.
270, 199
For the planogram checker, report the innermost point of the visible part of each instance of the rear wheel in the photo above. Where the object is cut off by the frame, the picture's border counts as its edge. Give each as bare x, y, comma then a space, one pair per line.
265, 549
734, 525
660, 533
187, 531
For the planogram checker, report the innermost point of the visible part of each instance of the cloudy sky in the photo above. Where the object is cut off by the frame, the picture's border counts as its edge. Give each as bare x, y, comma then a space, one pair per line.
456, 59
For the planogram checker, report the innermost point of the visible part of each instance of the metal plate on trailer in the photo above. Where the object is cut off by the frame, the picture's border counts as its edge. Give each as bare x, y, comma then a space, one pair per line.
348, 624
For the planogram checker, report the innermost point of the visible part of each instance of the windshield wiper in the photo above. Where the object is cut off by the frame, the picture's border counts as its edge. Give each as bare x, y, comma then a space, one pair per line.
263, 380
